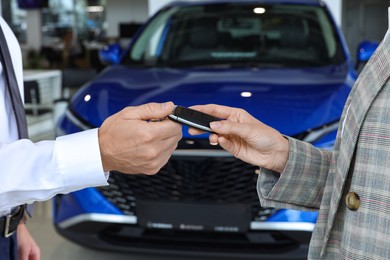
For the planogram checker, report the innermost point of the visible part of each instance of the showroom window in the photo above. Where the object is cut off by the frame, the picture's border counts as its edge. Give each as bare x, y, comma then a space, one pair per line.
87, 17
68, 28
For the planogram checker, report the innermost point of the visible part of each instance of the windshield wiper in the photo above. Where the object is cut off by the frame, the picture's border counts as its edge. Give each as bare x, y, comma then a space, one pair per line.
254, 64
225, 64
306, 63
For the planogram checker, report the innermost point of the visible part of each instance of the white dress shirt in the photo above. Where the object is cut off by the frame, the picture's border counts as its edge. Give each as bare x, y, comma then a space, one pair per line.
37, 171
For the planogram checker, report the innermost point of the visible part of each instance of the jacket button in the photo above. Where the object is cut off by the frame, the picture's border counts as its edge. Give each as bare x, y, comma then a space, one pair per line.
352, 200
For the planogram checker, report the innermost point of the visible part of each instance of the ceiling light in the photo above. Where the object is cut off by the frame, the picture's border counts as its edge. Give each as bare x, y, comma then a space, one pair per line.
95, 9
259, 10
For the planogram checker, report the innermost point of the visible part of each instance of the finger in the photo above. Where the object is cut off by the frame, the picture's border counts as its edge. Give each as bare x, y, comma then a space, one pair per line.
35, 255
166, 129
219, 111
226, 144
23, 254
150, 111
227, 127
169, 145
165, 152
213, 138
193, 131
175, 133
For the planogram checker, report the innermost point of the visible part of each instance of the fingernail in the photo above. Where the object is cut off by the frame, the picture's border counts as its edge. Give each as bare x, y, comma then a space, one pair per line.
213, 143
215, 124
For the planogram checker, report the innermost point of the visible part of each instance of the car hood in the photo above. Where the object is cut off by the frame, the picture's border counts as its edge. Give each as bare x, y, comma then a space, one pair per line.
291, 100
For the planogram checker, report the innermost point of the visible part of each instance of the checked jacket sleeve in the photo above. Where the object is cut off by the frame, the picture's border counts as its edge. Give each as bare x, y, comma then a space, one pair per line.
301, 185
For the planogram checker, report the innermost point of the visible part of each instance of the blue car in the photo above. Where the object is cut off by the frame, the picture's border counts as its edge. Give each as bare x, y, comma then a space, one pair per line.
285, 62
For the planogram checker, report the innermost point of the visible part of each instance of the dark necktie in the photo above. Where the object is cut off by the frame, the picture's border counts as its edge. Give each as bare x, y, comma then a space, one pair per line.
12, 87
13, 91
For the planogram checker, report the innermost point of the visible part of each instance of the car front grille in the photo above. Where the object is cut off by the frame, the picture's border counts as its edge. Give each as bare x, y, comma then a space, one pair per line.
192, 179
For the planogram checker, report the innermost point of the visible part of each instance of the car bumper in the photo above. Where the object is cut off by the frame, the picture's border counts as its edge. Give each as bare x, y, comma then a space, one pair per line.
263, 240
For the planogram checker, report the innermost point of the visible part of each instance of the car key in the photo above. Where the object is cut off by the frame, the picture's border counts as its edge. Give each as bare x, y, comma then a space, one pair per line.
192, 118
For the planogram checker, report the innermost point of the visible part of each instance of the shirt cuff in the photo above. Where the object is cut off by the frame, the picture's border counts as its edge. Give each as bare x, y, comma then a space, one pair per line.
79, 160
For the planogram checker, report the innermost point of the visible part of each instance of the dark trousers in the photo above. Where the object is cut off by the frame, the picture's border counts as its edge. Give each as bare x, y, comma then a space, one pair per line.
8, 248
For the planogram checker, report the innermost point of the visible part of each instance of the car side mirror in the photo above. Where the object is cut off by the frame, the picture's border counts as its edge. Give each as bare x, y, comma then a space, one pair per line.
364, 52
110, 54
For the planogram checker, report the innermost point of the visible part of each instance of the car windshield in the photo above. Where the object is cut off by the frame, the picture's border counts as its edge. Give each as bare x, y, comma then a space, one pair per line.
236, 35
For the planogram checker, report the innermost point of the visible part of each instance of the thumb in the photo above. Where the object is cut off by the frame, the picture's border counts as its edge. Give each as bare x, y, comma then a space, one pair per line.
152, 111
226, 127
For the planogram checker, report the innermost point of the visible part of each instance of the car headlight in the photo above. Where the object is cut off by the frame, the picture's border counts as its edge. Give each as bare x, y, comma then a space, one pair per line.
71, 123
315, 134
322, 137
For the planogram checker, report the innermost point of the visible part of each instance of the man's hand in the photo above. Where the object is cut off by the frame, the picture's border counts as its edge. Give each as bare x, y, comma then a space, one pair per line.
134, 140
246, 137
27, 248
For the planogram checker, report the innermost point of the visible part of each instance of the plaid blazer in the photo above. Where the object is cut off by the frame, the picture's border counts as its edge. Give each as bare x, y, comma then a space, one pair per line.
316, 179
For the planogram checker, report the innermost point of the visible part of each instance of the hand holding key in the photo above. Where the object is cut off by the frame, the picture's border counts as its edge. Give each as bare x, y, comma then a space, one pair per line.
246, 137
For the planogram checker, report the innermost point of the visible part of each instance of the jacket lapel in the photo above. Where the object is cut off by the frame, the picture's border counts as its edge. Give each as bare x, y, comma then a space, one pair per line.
370, 82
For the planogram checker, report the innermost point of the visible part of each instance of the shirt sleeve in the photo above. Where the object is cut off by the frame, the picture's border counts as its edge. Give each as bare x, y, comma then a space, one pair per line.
38, 171
301, 185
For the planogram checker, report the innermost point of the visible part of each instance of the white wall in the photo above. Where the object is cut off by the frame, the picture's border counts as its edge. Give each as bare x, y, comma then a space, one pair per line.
118, 11
34, 32
335, 7
155, 5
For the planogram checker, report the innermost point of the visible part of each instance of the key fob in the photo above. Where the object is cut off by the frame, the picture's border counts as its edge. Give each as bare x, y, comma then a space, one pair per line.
192, 118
